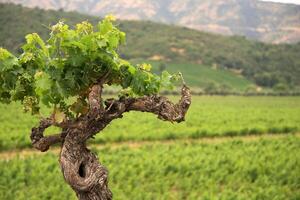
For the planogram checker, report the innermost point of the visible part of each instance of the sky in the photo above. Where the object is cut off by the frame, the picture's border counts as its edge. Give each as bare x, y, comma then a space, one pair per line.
285, 1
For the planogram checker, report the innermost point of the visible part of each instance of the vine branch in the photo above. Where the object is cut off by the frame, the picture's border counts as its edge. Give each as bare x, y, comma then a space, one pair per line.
41, 142
99, 117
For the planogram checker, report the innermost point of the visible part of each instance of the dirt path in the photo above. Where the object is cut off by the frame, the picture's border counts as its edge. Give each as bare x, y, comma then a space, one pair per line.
24, 153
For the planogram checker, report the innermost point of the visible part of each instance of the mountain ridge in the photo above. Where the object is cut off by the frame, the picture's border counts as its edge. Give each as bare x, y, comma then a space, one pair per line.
259, 20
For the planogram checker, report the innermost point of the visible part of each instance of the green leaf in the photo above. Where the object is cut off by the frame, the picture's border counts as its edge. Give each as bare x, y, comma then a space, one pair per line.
166, 80
84, 28
145, 66
7, 60
65, 66
34, 39
42, 83
113, 40
4, 54
105, 26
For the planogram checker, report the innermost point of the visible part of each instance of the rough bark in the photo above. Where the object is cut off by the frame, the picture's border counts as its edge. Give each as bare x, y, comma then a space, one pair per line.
80, 167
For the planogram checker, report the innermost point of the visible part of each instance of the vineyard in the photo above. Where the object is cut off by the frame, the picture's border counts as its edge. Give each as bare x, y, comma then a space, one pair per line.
118, 127
209, 116
234, 169
168, 161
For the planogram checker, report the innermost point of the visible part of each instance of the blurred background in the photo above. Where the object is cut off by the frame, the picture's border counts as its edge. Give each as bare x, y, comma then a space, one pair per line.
240, 140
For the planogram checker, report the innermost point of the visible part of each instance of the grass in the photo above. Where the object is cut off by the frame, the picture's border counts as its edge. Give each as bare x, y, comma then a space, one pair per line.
209, 116
199, 76
264, 169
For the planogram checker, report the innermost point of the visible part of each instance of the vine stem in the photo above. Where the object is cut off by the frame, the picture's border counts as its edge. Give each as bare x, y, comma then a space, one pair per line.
80, 167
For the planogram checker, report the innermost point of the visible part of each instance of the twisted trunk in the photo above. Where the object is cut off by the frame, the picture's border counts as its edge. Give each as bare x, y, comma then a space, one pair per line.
80, 167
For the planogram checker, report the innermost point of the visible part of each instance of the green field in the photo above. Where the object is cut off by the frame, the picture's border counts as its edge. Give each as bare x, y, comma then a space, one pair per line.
178, 161
234, 169
209, 116
200, 76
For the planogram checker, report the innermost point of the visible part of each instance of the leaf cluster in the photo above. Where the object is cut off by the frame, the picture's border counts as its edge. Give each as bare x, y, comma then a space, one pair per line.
67, 65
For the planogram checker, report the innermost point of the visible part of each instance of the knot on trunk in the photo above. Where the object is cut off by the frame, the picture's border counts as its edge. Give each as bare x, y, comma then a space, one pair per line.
83, 172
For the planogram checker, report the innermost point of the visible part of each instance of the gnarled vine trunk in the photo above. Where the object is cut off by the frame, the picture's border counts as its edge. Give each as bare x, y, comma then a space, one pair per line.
82, 170
80, 167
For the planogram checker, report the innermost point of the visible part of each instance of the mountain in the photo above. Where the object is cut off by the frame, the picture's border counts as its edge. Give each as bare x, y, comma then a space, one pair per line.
268, 65
264, 21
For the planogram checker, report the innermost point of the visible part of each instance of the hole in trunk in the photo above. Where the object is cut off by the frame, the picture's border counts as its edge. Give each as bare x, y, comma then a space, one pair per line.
81, 170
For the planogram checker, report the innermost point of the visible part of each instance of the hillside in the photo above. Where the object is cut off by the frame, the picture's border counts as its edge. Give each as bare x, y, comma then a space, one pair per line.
265, 21
209, 79
266, 64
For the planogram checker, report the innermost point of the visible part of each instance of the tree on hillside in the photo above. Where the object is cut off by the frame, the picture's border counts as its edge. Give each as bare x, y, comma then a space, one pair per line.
67, 73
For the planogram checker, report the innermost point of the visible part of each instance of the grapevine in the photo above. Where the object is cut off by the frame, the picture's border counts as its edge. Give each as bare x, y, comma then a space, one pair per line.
68, 72
66, 65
